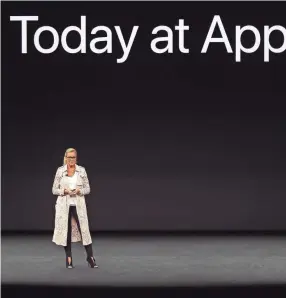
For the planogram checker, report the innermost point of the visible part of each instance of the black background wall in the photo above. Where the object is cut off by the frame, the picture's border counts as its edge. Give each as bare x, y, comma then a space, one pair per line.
170, 142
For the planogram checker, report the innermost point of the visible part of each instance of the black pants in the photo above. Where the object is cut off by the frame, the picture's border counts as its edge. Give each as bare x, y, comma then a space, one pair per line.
88, 248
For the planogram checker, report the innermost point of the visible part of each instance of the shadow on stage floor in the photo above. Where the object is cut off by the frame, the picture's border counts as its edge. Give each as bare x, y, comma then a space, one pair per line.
208, 291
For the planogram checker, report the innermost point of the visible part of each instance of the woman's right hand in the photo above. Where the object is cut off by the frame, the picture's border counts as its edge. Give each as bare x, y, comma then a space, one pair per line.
67, 192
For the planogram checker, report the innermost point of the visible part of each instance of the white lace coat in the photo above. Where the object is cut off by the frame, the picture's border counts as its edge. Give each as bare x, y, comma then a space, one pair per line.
62, 208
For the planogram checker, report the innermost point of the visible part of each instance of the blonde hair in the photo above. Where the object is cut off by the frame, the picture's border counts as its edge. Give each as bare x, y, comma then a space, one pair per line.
67, 151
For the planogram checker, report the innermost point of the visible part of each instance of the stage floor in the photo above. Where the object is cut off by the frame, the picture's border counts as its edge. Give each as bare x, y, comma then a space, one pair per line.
148, 261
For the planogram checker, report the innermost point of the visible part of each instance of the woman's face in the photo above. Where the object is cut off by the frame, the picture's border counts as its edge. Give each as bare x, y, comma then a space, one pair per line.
71, 158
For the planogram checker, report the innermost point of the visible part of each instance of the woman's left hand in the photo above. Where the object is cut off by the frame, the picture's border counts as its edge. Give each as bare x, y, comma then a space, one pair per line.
77, 191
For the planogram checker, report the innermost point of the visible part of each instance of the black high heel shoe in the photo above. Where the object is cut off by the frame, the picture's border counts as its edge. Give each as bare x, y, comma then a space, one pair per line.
69, 265
91, 262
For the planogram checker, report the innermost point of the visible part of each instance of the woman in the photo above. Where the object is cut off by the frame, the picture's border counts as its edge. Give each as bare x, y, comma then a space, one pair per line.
71, 222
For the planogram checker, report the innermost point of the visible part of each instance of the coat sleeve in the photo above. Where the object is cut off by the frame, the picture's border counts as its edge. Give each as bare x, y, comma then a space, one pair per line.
57, 189
85, 183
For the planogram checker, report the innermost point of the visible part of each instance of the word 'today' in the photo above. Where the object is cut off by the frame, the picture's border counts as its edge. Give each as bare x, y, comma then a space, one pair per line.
167, 32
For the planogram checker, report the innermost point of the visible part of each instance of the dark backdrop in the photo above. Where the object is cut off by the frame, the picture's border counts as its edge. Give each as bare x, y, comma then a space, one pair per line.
169, 142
